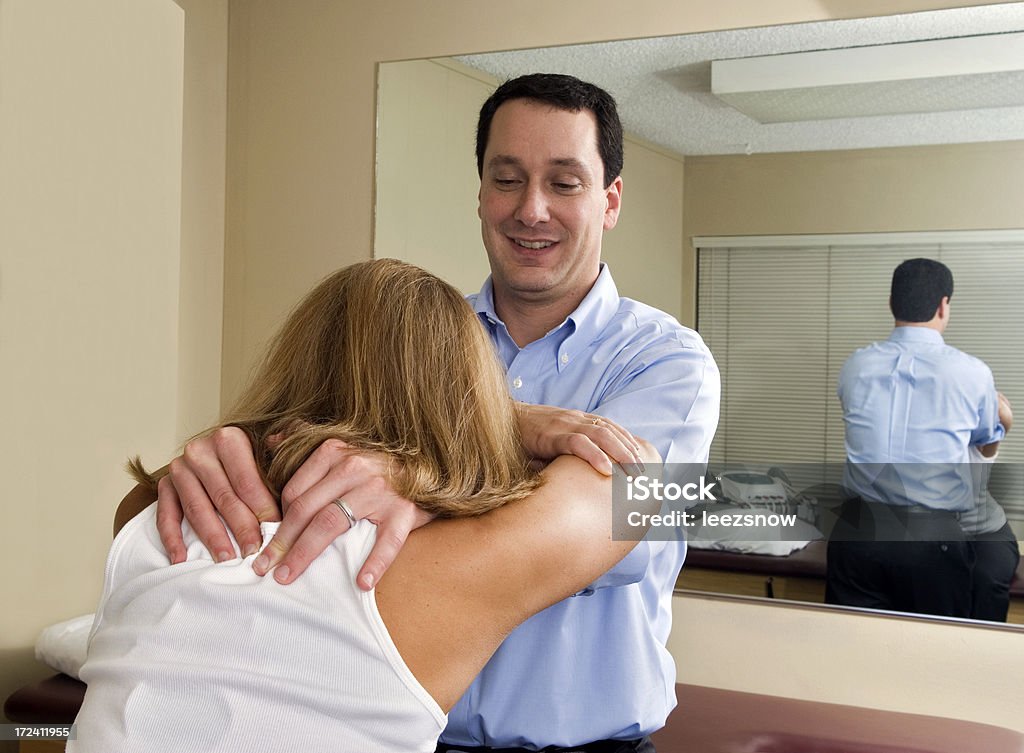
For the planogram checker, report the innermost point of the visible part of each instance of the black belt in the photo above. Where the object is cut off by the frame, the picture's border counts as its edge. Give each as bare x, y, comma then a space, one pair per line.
909, 509
599, 746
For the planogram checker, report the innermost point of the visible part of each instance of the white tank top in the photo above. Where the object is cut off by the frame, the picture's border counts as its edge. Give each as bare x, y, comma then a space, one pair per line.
209, 657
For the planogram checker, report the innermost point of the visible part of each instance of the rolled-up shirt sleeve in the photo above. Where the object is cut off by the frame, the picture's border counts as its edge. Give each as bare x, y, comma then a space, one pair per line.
989, 428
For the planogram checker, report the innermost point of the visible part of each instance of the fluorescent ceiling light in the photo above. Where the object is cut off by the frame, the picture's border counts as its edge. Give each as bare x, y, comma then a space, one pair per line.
913, 77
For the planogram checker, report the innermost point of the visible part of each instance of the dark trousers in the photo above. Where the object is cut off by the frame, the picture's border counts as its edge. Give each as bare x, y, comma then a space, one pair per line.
643, 745
882, 557
996, 556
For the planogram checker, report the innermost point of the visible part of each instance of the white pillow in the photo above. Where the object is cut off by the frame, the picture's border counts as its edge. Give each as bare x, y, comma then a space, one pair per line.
62, 646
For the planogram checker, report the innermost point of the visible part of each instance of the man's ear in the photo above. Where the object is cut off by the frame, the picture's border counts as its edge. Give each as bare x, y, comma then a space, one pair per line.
613, 195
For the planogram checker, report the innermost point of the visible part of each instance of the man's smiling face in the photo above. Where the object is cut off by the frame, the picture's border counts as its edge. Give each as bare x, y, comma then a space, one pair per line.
543, 208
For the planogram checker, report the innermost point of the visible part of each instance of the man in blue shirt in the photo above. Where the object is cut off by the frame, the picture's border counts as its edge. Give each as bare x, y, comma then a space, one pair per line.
913, 406
590, 673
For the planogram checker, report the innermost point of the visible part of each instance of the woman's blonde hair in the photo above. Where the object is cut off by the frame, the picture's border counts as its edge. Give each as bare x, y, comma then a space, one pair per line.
390, 358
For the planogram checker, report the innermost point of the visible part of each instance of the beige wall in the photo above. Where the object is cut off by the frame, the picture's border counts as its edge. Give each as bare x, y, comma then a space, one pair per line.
645, 250
426, 190
203, 166
112, 163
90, 186
426, 173
958, 187
916, 666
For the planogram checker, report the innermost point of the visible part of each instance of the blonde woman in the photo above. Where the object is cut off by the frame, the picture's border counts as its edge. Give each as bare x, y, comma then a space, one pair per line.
207, 656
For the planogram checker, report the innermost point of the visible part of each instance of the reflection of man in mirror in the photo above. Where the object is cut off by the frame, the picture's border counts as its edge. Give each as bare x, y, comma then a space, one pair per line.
592, 672
913, 407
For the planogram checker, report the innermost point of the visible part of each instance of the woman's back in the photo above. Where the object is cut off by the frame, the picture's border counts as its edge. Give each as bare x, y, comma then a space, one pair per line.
207, 656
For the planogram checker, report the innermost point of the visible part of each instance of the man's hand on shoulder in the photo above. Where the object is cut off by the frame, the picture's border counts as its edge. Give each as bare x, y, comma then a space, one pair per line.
336, 472
216, 474
1006, 419
217, 477
548, 432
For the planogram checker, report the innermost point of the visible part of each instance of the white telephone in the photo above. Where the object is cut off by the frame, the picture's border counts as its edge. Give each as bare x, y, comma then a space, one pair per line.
753, 490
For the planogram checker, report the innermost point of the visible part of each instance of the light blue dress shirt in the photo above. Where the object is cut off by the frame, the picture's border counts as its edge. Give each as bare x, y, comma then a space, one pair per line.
918, 403
595, 666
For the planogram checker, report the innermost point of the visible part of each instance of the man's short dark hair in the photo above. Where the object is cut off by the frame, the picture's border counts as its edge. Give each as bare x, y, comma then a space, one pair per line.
564, 93
918, 287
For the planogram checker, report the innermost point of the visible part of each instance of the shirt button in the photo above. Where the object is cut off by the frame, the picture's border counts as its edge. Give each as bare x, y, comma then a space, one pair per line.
565, 358
517, 383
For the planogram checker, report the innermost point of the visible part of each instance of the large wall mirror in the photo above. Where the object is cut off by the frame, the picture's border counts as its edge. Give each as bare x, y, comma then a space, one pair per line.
782, 199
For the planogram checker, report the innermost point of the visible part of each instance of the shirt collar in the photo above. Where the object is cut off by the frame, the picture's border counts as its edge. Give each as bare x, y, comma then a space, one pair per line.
483, 302
596, 309
916, 334
585, 323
